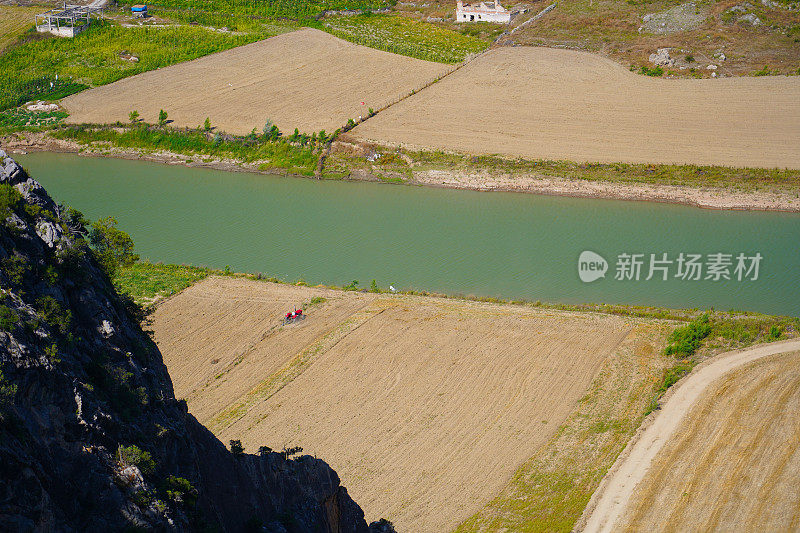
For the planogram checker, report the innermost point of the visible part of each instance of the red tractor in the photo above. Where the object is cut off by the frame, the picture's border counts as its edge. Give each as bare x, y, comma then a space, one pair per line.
293, 316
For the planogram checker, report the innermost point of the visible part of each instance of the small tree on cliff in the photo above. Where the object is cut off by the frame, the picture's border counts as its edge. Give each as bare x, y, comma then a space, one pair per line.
162, 118
134, 116
236, 448
112, 247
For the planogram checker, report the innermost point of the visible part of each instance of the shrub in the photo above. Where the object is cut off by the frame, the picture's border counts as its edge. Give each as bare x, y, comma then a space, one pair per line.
207, 124
9, 199
162, 118
15, 268
53, 314
685, 340
181, 491
775, 332
373, 286
134, 117
656, 72
134, 456
8, 318
236, 448
264, 450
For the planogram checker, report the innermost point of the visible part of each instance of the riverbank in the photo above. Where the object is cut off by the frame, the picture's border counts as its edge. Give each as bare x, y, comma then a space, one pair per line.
733, 189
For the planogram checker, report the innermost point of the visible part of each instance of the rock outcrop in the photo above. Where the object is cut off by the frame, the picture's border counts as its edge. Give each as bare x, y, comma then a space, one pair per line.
92, 437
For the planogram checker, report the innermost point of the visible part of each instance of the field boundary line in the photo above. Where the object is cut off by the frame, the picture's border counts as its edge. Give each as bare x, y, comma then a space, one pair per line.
295, 367
610, 500
327, 149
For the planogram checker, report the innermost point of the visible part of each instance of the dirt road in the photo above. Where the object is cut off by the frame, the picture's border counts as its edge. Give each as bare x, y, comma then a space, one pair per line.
612, 498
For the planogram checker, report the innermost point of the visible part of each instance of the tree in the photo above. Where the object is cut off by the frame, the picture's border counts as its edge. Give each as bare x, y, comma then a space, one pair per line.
236, 448
162, 118
373, 287
207, 124
134, 116
112, 247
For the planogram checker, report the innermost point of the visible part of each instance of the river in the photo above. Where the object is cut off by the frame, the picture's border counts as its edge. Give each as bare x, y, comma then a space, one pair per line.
507, 245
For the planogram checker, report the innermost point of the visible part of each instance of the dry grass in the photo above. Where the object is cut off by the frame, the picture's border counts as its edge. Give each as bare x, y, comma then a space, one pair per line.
543, 103
305, 79
14, 21
734, 465
411, 399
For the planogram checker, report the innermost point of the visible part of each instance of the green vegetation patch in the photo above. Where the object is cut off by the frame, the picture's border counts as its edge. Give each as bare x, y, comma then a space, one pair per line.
405, 36
295, 154
18, 119
146, 282
276, 9
95, 58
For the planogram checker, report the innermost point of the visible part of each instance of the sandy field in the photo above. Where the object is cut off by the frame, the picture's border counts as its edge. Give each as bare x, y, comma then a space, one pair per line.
306, 79
563, 104
410, 399
212, 366
722, 454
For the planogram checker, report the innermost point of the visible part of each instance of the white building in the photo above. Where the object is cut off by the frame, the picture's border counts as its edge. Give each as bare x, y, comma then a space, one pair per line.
483, 11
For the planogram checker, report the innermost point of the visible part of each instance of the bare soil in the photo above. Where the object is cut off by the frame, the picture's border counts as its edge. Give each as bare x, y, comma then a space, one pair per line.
411, 399
542, 103
715, 454
735, 463
305, 79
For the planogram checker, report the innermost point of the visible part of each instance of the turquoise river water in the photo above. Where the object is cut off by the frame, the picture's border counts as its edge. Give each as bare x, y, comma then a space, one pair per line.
508, 245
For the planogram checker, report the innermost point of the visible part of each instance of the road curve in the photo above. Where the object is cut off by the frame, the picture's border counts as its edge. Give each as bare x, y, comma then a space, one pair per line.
616, 489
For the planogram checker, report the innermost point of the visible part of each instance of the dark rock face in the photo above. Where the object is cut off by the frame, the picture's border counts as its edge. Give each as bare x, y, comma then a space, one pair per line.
91, 435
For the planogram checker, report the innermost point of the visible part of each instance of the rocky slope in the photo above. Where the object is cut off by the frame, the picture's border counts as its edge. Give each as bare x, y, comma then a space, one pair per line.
92, 437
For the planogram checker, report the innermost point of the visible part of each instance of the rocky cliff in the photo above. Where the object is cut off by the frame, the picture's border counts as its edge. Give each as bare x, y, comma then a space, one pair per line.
92, 437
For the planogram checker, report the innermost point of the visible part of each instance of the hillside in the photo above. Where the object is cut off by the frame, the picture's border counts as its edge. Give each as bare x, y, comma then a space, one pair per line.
92, 437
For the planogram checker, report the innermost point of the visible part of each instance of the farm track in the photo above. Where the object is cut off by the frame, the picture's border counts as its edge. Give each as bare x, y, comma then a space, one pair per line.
726, 440
541, 103
410, 399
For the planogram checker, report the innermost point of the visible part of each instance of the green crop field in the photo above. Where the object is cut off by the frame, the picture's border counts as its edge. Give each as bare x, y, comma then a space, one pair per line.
405, 36
291, 9
94, 57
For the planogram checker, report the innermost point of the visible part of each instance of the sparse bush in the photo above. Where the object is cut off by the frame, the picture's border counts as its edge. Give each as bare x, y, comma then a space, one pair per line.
373, 286
207, 124
133, 116
352, 286
162, 118
264, 450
